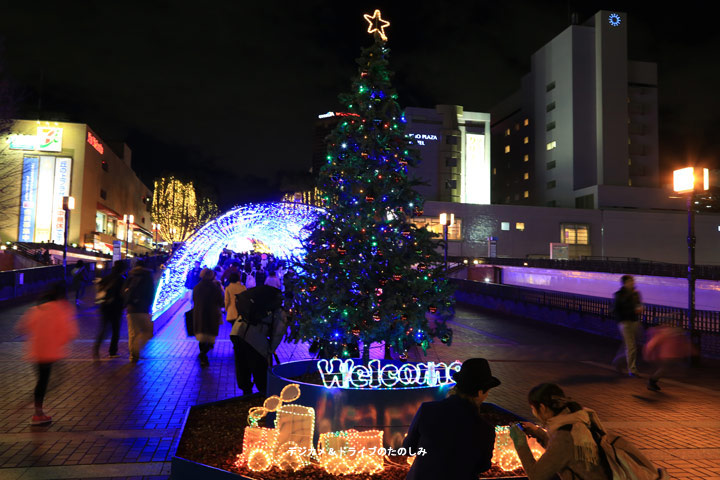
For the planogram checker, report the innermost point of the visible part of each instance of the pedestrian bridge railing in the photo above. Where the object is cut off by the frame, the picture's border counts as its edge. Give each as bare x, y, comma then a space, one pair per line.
706, 321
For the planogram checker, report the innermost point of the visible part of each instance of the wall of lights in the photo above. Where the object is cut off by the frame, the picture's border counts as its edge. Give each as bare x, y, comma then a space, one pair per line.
280, 226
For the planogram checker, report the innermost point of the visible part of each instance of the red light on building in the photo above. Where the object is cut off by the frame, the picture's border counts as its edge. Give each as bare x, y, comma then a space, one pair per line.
95, 143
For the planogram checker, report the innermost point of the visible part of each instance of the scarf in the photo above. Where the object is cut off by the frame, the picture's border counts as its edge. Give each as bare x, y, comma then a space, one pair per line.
586, 449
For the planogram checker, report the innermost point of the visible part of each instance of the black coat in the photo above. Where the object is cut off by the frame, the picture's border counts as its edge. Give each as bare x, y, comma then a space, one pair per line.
139, 290
459, 444
208, 300
626, 301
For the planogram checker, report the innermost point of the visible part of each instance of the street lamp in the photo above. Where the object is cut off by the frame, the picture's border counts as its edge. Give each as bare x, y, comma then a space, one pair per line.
444, 223
128, 219
68, 204
686, 181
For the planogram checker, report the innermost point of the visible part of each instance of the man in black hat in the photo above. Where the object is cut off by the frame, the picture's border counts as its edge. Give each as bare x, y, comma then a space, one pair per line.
457, 443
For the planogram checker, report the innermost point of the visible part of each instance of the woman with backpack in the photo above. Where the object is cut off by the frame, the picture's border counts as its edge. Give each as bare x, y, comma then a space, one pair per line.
574, 441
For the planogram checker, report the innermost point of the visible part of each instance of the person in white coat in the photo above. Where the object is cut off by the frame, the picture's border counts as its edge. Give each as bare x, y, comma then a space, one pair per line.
233, 288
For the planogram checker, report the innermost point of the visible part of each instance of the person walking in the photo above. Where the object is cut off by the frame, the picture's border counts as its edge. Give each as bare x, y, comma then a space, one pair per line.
668, 347
457, 441
234, 288
50, 326
193, 277
81, 279
111, 308
627, 308
138, 292
256, 335
207, 299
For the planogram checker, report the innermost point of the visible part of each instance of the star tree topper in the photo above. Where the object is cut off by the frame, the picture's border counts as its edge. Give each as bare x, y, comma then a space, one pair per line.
377, 24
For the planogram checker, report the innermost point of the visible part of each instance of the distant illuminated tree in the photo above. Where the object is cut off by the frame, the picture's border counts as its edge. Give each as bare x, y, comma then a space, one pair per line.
178, 210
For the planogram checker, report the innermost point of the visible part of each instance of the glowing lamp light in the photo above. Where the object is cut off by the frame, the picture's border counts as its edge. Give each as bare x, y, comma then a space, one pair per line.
685, 180
68, 203
444, 219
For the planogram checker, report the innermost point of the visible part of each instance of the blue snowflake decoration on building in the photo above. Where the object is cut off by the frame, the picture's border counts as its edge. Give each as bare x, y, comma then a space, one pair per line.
614, 19
280, 226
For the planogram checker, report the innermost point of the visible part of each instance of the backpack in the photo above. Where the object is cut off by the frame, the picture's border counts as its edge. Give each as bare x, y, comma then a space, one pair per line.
624, 461
256, 303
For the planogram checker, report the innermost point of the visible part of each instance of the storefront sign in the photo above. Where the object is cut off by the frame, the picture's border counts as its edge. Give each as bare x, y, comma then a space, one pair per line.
95, 143
27, 198
44, 209
421, 138
345, 374
62, 189
49, 139
19, 141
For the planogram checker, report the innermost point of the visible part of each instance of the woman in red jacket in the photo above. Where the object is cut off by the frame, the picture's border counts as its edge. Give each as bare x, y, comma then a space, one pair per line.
50, 326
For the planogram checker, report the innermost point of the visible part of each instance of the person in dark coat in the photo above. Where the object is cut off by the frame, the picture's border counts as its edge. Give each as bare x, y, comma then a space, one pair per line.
208, 301
111, 308
82, 277
457, 443
193, 277
138, 292
627, 307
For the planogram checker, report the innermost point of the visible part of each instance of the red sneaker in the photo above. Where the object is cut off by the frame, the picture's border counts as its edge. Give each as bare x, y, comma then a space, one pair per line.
40, 420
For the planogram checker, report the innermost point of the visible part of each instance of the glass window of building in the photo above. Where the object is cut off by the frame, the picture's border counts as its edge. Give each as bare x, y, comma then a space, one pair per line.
507, 148
505, 226
526, 122
519, 226
433, 225
100, 219
526, 194
575, 234
551, 184
551, 145
526, 158
550, 165
526, 140
507, 132
526, 176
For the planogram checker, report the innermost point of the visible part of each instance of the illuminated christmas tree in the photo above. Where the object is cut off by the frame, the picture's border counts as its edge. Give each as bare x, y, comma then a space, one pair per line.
371, 275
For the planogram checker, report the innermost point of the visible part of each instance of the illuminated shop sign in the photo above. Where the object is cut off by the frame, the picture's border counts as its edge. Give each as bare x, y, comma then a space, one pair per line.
62, 189
26, 227
345, 374
49, 139
95, 143
19, 141
420, 138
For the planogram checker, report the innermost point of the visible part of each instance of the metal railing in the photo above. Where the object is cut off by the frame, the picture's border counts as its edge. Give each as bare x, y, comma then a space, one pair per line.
706, 321
621, 265
28, 281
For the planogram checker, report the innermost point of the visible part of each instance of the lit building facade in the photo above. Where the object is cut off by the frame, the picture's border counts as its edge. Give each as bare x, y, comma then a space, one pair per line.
42, 162
454, 147
582, 132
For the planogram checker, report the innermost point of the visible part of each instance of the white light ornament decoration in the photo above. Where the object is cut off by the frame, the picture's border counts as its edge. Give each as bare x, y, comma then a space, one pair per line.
279, 226
504, 454
345, 374
614, 20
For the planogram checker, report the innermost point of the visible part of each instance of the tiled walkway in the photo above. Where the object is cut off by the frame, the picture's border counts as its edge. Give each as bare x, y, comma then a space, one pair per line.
113, 419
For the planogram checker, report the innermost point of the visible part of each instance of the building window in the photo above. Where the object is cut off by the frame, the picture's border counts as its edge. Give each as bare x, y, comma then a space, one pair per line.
550, 86
507, 132
507, 148
451, 184
494, 171
586, 201
526, 122
519, 226
526, 194
433, 225
526, 176
517, 127
451, 140
550, 107
103, 194
550, 203
100, 219
550, 165
526, 140
104, 165
451, 162
574, 234
550, 126
526, 158
551, 145
551, 184
505, 226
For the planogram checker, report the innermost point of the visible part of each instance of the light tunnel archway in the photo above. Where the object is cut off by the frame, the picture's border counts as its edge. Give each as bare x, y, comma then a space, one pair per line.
280, 226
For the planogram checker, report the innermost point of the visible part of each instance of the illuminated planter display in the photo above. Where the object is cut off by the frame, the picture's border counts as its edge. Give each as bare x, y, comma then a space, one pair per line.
356, 396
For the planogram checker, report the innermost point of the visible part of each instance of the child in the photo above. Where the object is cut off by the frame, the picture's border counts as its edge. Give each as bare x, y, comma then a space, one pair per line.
50, 326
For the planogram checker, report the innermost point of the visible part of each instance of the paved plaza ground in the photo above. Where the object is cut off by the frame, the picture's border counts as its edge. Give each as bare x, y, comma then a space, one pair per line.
114, 419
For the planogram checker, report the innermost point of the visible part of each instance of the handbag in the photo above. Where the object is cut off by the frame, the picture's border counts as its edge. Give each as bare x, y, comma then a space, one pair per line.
189, 323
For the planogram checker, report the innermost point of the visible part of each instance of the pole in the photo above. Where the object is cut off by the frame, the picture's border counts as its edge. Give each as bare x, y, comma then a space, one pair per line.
65, 244
445, 235
691, 240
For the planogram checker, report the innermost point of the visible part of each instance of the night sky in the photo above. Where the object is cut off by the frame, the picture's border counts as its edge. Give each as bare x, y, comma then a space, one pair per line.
228, 92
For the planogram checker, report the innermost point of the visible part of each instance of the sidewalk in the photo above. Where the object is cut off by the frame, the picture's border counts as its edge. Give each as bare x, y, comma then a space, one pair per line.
113, 419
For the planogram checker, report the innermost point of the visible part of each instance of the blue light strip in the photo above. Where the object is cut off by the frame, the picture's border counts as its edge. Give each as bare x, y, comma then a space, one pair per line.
280, 226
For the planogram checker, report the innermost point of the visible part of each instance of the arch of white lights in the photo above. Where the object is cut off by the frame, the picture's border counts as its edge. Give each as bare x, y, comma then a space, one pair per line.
280, 226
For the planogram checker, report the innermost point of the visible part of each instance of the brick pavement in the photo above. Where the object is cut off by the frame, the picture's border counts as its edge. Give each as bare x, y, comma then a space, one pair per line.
113, 419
